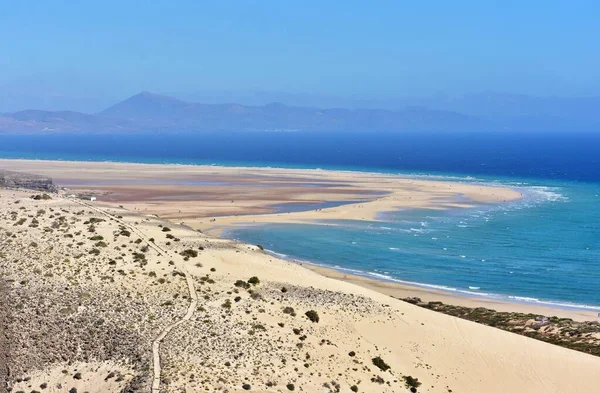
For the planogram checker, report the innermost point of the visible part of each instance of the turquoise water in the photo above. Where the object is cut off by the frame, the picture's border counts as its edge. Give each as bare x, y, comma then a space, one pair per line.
542, 249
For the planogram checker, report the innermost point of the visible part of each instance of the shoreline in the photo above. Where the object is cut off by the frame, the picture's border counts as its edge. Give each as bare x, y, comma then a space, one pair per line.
461, 178
435, 195
234, 307
404, 290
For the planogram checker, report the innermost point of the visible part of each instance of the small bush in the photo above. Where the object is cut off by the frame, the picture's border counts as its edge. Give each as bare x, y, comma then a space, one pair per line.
189, 253
290, 311
166, 229
290, 386
410, 382
254, 280
313, 316
378, 361
241, 284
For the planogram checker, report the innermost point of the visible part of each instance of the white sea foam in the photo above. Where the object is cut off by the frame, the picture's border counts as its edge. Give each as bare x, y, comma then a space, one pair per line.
277, 254
394, 249
472, 290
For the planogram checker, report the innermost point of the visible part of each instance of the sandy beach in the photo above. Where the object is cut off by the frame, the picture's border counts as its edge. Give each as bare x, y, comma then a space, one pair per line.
212, 199
132, 302
401, 291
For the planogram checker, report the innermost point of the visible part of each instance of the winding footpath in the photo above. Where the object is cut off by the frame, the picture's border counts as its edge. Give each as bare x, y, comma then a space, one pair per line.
191, 289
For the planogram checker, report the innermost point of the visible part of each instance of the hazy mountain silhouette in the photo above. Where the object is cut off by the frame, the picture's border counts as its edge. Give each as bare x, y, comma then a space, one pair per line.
152, 112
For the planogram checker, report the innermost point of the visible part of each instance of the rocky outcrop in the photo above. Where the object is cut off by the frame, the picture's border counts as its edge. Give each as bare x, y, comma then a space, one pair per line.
29, 181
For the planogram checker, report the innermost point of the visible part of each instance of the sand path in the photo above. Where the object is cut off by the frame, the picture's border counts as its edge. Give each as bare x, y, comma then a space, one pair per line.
191, 289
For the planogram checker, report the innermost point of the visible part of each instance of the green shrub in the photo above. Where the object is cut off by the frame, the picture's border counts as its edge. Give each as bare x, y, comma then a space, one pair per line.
189, 253
383, 366
313, 316
241, 284
411, 382
254, 280
289, 310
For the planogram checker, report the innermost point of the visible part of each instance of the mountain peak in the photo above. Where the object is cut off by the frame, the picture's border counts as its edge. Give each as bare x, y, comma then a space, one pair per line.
144, 104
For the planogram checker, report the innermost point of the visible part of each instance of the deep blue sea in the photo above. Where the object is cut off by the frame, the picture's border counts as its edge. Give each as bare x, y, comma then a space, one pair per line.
544, 248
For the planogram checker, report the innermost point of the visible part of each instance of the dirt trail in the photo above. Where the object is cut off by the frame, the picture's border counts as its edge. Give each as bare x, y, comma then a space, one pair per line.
191, 289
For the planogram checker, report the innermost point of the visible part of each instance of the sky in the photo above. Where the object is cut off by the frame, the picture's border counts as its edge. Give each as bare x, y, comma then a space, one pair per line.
104, 50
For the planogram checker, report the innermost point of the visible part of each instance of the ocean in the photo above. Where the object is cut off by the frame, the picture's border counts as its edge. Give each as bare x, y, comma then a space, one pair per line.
544, 248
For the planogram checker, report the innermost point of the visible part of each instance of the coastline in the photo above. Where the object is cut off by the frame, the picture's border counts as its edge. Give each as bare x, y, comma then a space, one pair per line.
230, 306
401, 192
401, 291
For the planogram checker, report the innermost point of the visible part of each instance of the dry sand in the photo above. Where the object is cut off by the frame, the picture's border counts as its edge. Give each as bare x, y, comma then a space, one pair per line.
98, 313
212, 199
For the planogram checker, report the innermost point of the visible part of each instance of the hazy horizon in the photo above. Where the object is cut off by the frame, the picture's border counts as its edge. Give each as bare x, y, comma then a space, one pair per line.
15, 99
85, 57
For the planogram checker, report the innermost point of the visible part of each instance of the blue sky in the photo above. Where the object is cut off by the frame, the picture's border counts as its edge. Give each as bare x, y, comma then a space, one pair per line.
342, 48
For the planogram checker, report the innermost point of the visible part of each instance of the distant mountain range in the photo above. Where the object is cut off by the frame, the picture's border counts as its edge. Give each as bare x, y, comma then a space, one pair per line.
153, 112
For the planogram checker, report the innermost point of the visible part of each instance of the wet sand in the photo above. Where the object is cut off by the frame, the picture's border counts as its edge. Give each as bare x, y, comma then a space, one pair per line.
401, 291
212, 199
